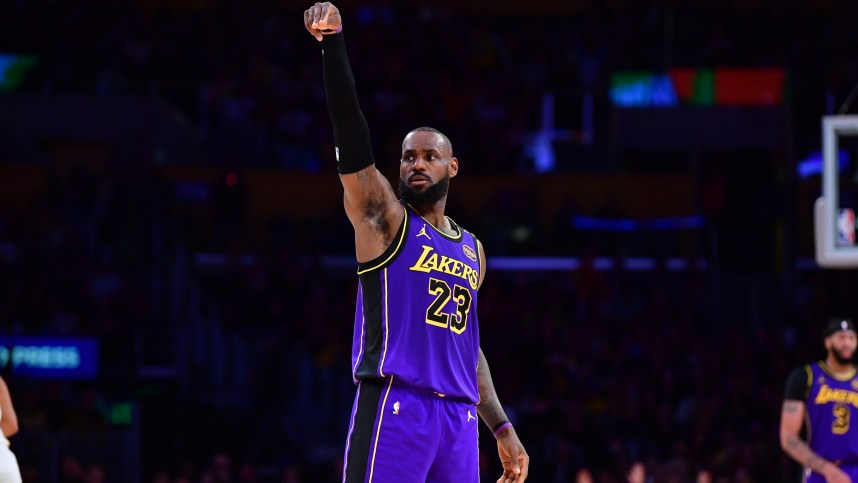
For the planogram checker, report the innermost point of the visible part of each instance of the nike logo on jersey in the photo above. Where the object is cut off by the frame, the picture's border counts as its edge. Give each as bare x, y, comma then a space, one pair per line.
471, 416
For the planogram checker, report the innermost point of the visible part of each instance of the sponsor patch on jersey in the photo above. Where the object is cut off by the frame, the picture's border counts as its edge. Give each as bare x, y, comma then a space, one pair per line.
469, 252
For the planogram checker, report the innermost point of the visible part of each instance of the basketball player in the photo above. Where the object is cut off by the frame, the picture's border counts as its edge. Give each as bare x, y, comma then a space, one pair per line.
421, 377
824, 395
9, 471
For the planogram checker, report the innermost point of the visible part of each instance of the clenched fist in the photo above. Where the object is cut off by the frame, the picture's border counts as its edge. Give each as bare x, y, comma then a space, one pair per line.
322, 17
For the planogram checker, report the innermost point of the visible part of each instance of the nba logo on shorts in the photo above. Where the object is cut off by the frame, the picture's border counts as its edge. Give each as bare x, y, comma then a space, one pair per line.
396, 407
845, 227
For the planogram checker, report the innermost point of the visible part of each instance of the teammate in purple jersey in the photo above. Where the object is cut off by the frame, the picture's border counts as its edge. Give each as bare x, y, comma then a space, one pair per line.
421, 376
819, 401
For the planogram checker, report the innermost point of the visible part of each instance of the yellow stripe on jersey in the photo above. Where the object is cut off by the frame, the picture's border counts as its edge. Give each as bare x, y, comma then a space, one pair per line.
449, 237
827, 370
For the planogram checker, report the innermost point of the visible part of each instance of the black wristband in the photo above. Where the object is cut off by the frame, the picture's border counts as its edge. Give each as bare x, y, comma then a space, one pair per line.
500, 428
351, 132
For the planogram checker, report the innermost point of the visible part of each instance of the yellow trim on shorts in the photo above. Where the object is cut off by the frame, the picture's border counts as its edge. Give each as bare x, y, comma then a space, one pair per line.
378, 431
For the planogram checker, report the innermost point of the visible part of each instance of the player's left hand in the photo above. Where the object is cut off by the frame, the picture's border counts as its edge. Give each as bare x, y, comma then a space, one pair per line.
513, 457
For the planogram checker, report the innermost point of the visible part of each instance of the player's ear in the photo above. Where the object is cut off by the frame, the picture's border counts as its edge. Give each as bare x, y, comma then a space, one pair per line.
453, 167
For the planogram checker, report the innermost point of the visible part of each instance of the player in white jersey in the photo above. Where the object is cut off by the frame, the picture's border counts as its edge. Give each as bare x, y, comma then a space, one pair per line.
9, 471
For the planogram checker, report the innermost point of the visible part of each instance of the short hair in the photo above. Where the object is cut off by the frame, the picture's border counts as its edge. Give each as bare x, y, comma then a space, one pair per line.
433, 130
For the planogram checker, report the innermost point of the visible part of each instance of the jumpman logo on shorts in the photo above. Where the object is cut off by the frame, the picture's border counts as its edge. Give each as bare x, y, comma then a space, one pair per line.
423, 232
471, 416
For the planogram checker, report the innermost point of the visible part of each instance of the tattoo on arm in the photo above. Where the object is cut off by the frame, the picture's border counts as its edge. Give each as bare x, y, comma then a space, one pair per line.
791, 407
796, 447
489, 408
802, 453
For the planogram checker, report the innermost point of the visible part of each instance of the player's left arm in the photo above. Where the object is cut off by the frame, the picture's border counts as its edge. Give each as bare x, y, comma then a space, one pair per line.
512, 454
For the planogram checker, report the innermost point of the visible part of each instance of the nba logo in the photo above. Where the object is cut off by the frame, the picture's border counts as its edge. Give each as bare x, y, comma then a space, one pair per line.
845, 227
396, 407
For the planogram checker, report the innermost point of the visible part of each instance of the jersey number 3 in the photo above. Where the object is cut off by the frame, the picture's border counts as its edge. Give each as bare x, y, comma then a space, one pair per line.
841, 419
456, 321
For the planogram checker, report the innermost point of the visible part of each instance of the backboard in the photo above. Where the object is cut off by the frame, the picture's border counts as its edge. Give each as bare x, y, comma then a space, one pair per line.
835, 245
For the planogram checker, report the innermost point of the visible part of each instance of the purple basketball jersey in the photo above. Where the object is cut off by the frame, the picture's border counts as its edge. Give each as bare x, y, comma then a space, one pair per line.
830, 405
416, 317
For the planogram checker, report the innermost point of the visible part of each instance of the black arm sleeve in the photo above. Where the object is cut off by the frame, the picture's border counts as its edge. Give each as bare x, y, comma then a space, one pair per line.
351, 132
796, 385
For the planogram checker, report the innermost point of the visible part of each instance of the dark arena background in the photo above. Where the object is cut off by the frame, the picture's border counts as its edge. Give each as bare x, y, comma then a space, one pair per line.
177, 273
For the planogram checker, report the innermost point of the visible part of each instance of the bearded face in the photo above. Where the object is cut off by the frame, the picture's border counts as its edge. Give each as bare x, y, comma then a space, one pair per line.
841, 345
421, 191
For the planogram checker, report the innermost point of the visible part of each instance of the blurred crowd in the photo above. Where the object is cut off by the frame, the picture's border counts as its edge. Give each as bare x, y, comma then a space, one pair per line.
78, 258
598, 369
249, 74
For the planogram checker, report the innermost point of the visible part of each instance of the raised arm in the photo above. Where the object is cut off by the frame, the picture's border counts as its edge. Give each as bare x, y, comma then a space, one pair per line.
369, 200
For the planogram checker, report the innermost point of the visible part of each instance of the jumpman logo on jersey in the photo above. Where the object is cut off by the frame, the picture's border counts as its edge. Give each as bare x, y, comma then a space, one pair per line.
470, 416
423, 232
